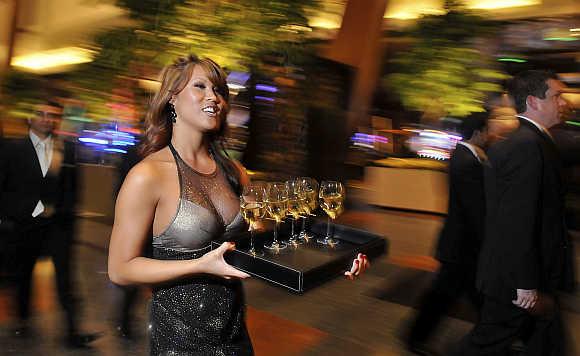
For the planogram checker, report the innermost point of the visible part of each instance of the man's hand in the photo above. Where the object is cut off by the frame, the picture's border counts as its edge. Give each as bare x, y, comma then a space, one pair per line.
526, 298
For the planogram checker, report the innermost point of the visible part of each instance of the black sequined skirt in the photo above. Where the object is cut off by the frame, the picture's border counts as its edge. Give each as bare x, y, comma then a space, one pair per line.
204, 315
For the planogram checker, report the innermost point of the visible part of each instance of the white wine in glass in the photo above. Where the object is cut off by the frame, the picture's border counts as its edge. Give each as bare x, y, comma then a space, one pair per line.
295, 203
309, 190
332, 204
277, 209
252, 212
276, 206
331, 201
252, 208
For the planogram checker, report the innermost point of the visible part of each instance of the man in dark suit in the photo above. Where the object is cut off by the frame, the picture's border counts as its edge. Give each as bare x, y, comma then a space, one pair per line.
526, 253
38, 183
461, 236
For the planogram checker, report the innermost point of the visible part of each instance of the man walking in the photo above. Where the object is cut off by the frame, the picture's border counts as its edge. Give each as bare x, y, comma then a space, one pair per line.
37, 200
461, 236
526, 254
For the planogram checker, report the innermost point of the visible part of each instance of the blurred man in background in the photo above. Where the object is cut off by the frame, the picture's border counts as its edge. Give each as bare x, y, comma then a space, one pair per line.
461, 236
526, 253
38, 184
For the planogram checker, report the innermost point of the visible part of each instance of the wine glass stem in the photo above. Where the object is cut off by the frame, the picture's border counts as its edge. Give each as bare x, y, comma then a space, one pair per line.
304, 224
328, 229
293, 220
251, 240
276, 233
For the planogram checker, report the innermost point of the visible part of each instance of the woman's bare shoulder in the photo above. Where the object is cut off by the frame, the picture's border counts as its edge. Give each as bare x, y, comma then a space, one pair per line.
151, 169
244, 178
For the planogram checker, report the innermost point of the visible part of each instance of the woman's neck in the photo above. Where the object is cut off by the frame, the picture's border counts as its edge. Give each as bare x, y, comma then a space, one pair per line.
192, 146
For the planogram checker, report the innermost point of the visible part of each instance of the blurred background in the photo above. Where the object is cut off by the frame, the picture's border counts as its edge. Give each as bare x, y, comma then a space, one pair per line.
321, 88
367, 92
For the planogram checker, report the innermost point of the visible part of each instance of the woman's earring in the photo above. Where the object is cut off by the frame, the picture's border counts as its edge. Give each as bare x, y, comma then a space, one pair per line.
171, 114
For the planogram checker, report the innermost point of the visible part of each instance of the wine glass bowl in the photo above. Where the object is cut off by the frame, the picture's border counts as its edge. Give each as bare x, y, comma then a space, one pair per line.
277, 207
252, 206
309, 190
295, 204
331, 197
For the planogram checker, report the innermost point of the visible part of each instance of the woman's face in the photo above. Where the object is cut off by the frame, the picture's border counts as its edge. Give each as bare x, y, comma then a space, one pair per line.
199, 104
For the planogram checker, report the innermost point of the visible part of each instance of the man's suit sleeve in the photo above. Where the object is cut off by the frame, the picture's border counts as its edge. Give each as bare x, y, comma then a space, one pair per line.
521, 177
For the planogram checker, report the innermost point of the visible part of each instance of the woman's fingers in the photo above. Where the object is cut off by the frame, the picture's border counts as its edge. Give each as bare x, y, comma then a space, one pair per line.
238, 274
363, 263
350, 274
224, 269
225, 247
367, 262
359, 266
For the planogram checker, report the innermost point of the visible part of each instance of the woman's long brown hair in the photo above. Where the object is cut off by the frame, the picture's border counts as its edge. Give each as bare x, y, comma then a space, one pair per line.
159, 128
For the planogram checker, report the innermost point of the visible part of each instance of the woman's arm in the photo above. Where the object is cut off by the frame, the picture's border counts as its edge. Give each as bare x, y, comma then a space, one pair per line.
134, 214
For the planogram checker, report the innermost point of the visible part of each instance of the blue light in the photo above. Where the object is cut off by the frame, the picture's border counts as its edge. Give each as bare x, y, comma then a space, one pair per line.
115, 150
118, 133
122, 143
93, 140
259, 97
268, 88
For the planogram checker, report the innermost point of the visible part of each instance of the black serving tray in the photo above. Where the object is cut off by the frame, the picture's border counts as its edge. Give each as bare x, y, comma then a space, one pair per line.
308, 265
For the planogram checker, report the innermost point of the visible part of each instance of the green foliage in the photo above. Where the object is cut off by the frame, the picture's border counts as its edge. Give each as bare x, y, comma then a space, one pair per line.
235, 33
17, 86
444, 73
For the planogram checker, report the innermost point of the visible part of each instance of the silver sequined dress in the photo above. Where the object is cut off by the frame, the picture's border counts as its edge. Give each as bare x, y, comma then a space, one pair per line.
203, 315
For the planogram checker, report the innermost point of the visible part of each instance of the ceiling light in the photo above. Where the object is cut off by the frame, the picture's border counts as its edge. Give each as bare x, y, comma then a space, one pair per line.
501, 4
51, 59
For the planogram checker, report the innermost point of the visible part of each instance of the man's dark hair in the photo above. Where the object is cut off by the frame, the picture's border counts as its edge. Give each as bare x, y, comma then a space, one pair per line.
530, 82
55, 104
475, 122
49, 102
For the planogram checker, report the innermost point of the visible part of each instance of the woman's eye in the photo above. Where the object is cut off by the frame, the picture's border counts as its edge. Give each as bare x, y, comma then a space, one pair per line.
199, 85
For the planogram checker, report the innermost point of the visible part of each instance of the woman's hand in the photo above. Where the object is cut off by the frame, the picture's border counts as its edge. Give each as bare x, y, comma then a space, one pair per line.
359, 266
213, 263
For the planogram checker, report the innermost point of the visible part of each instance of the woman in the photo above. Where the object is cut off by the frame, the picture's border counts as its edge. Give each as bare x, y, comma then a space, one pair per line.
198, 305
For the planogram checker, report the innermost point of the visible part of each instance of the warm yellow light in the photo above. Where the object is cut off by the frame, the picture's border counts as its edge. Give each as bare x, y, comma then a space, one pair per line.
150, 85
294, 28
321, 22
413, 14
501, 4
45, 60
412, 10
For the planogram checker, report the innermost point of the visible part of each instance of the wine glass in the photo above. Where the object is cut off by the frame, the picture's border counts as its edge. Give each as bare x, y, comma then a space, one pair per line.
253, 208
309, 189
295, 203
331, 201
276, 206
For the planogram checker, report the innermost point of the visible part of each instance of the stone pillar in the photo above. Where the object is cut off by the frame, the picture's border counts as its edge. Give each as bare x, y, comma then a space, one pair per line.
8, 18
358, 44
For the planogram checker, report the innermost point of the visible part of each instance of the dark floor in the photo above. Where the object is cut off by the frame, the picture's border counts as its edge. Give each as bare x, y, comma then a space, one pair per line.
366, 317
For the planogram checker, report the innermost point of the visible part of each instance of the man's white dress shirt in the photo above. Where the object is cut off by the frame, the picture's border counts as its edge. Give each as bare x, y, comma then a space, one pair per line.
43, 150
